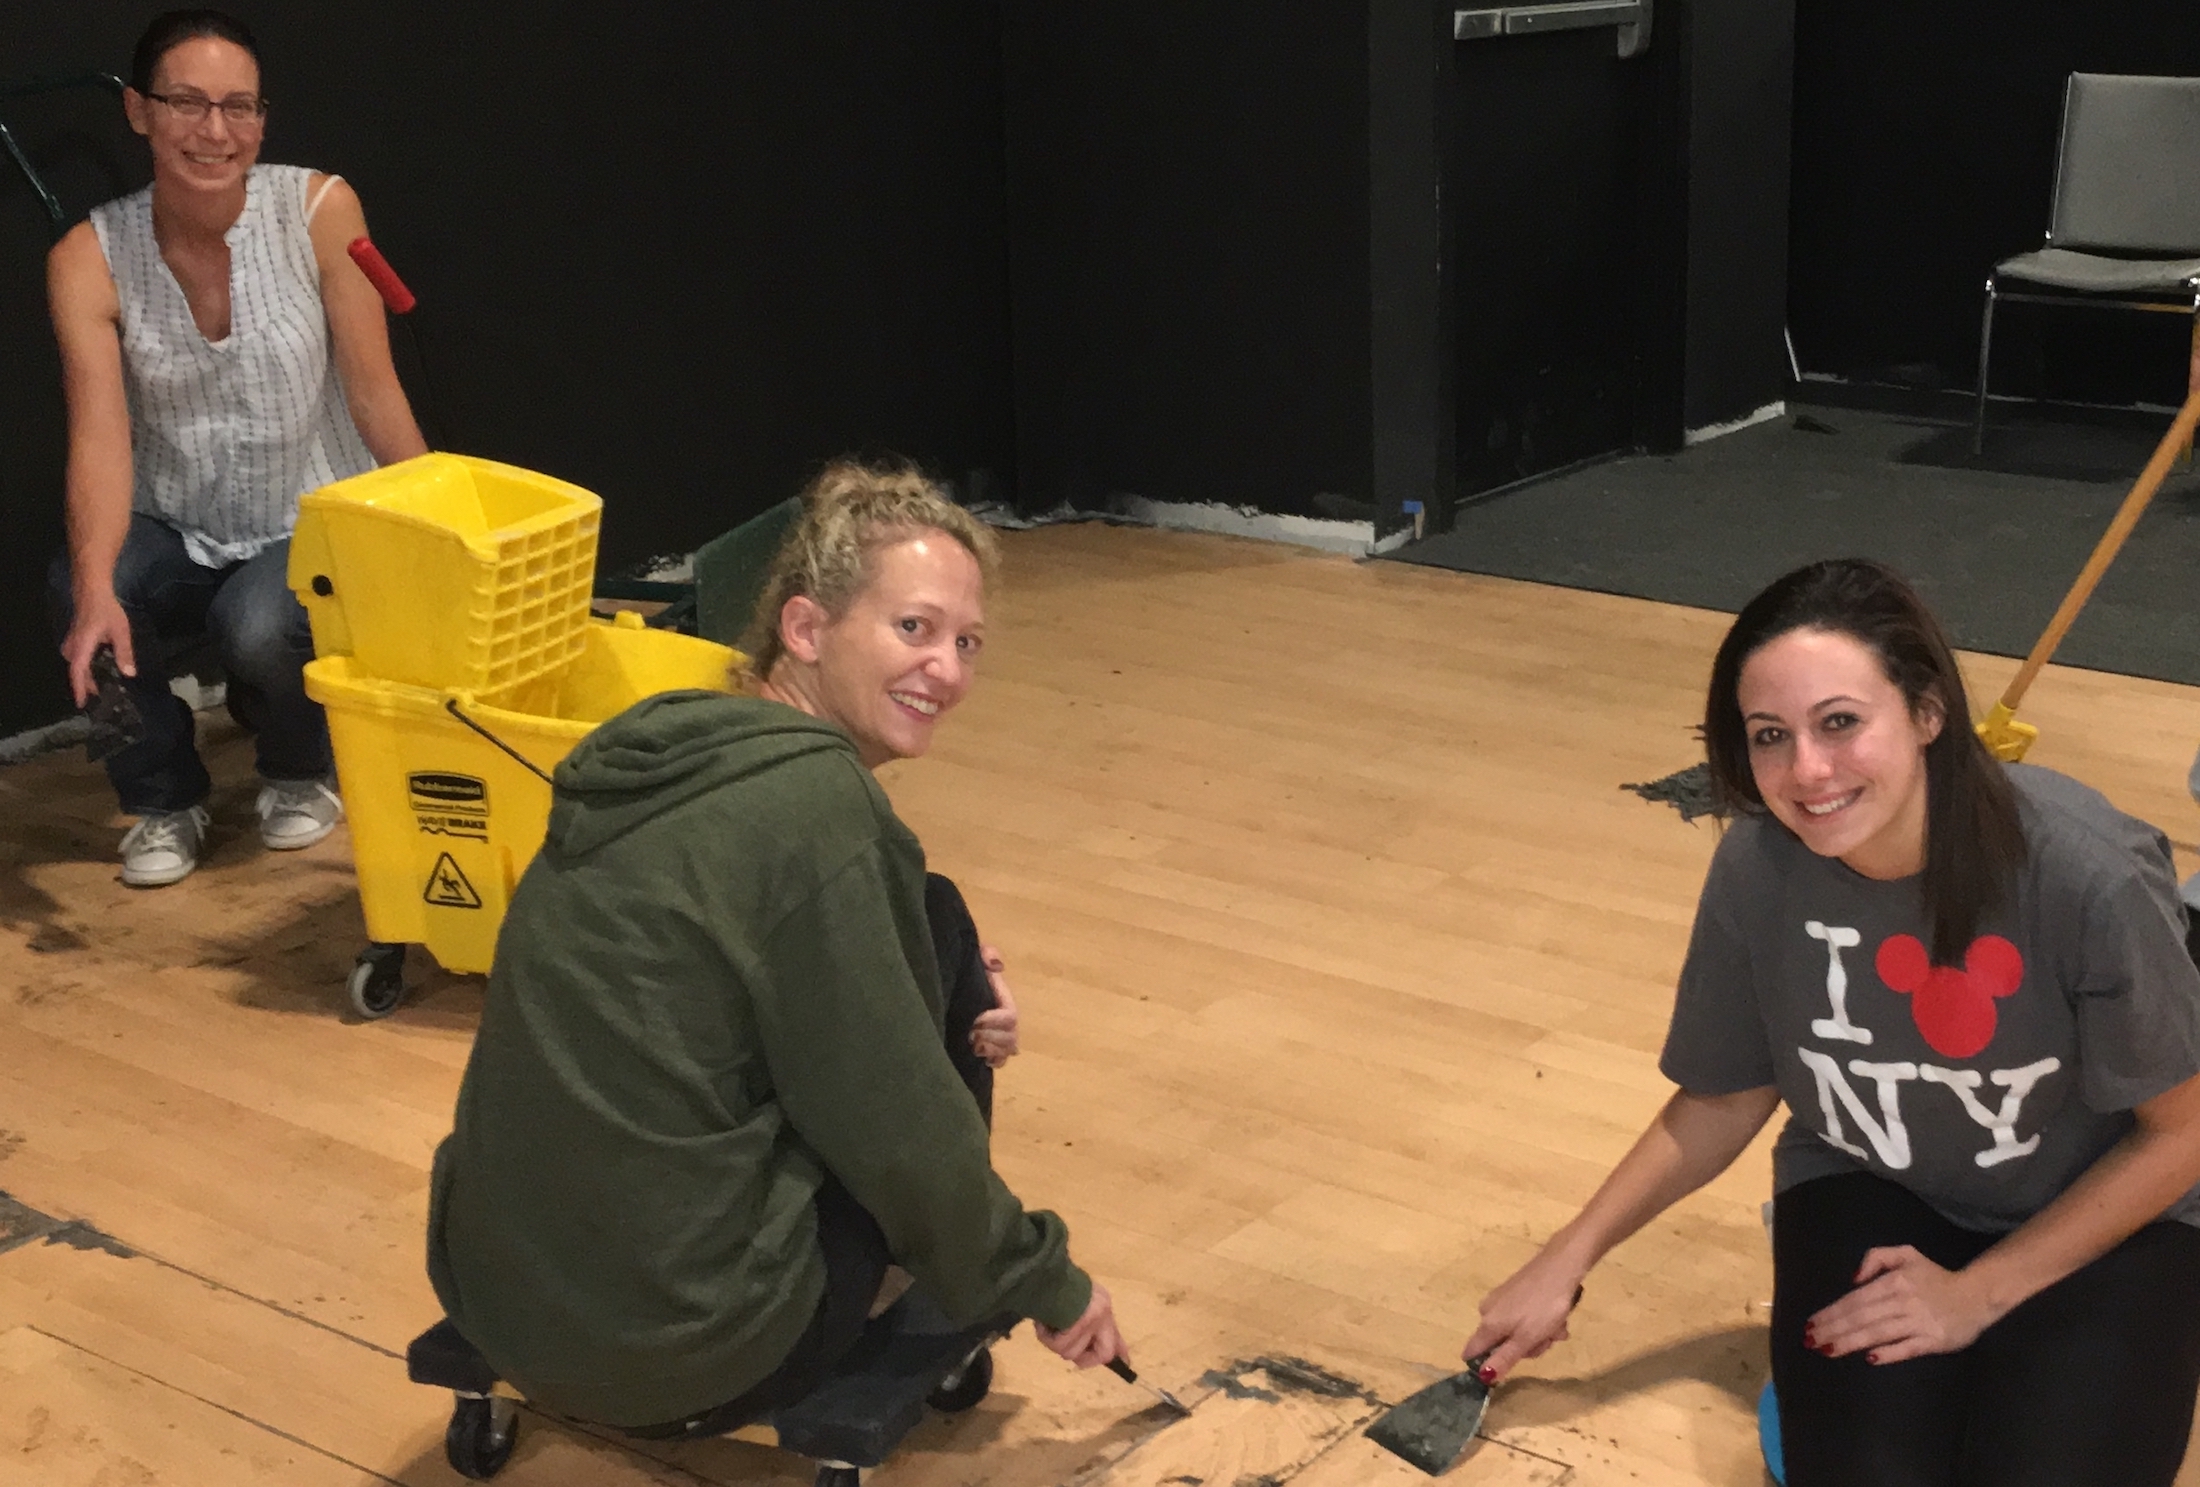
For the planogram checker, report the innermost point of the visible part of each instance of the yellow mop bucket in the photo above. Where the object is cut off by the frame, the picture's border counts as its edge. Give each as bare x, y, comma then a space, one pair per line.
445, 792
447, 571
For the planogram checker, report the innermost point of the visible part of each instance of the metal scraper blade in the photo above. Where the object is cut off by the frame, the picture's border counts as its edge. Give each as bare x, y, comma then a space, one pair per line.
1432, 1427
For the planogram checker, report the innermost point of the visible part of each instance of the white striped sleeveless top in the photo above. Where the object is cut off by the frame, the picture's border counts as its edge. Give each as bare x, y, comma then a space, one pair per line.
225, 436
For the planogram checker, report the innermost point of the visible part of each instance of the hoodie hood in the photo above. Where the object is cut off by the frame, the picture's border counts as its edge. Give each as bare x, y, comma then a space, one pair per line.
666, 750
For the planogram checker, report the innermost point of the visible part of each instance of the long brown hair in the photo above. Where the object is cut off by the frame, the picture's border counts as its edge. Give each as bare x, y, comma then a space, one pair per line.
1973, 839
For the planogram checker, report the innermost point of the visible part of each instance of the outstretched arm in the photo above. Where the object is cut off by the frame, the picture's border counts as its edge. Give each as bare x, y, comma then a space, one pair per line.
1905, 1306
87, 327
359, 330
1692, 1140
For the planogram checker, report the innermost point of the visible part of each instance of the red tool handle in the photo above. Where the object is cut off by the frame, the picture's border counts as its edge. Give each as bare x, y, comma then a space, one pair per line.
382, 276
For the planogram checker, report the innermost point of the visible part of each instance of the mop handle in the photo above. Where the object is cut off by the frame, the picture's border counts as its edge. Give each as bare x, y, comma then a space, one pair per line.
382, 276
2166, 454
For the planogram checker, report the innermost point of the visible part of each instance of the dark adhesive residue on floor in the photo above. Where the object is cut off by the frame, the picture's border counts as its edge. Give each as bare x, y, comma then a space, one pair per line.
1234, 1386
1687, 791
20, 1224
82, 1236
1288, 1375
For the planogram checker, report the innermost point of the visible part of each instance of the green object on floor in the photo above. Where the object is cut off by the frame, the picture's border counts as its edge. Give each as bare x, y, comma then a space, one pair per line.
730, 571
728, 578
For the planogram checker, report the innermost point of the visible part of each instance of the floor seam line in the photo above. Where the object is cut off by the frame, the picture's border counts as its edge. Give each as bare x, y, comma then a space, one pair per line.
274, 1306
238, 1414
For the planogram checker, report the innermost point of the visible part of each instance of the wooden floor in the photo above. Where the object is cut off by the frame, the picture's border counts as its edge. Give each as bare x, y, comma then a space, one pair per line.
1344, 964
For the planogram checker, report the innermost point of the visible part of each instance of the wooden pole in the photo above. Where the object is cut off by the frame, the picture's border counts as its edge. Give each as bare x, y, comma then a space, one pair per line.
2173, 444
2192, 386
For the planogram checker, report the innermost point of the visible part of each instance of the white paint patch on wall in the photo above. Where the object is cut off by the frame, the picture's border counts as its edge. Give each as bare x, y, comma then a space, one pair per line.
1765, 414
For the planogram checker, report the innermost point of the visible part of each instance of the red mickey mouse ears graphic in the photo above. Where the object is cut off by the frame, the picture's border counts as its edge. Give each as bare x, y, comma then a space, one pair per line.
1953, 1009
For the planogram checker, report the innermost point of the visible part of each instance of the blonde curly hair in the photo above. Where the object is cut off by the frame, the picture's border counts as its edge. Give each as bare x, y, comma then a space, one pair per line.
850, 511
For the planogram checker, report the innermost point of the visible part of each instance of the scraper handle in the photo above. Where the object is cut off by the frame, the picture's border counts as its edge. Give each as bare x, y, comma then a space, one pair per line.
1122, 1370
1476, 1364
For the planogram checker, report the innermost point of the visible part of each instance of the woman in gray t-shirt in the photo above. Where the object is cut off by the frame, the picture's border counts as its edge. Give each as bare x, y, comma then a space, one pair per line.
1969, 985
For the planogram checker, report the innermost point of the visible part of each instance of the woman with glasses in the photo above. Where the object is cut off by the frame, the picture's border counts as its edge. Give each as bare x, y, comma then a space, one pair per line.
221, 355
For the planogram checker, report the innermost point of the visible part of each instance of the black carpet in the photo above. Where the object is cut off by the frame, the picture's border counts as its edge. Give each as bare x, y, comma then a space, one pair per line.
1993, 543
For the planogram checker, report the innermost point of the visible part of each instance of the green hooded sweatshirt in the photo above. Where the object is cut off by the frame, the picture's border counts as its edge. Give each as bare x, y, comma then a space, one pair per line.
714, 985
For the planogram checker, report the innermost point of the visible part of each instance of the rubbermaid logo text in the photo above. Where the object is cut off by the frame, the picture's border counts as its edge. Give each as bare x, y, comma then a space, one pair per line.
450, 804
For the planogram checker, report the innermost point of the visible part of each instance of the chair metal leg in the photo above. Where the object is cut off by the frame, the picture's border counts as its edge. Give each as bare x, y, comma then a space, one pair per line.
1985, 359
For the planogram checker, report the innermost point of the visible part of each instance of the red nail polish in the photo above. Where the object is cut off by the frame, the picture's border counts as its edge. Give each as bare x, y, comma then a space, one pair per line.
1487, 1375
1871, 1357
1823, 1347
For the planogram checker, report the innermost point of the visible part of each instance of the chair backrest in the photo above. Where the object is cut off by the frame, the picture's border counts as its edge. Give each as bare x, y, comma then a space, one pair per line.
2128, 179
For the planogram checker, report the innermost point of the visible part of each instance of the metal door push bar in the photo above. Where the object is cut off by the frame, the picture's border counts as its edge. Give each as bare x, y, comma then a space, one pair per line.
1630, 17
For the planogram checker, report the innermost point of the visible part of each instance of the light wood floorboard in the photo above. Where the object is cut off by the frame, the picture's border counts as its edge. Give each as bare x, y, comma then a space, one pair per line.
1344, 963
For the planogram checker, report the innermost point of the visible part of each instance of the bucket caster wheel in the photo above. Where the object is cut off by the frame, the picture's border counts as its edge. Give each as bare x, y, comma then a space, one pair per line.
836, 1474
481, 1436
963, 1389
377, 982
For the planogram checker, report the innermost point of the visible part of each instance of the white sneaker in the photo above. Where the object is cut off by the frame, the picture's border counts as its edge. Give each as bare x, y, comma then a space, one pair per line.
163, 847
297, 813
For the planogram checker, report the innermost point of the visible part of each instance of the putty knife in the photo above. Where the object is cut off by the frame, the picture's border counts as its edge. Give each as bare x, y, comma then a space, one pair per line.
1434, 1425
1129, 1375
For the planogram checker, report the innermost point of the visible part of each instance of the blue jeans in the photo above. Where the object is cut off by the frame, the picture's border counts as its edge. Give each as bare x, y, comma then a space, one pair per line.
258, 631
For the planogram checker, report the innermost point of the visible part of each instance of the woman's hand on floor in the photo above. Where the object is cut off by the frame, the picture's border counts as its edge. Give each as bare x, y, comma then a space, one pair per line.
1904, 1306
993, 1035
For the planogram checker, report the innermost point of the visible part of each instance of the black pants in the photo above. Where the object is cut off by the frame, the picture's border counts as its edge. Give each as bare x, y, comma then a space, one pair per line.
2089, 1382
856, 1256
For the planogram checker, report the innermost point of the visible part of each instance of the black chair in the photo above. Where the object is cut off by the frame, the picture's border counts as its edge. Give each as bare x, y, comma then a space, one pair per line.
910, 1359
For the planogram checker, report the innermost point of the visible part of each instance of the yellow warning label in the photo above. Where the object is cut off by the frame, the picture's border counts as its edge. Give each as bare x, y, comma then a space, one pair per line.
448, 888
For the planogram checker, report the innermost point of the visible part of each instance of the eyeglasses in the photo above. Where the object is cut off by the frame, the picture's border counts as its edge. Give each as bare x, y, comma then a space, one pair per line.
238, 108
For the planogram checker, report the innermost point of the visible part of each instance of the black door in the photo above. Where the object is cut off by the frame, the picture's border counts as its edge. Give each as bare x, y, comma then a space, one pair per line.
1551, 188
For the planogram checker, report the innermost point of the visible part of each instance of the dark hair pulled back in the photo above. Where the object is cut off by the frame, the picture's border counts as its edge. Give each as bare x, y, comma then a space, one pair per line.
171, 28
1974, 841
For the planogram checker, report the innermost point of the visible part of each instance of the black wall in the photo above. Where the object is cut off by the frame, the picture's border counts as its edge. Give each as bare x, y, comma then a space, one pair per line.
1226, 232
678, 255
1924, 153
1740, 67
1188, 235
681, 254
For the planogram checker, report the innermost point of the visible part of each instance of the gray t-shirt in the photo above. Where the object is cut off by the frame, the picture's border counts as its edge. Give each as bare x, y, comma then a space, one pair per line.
1985, 1090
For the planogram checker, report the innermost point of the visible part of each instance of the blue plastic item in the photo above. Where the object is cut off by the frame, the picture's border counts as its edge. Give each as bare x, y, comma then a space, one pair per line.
1768, 1434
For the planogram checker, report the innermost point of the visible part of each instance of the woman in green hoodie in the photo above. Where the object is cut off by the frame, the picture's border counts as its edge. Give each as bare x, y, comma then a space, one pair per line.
722, 1081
